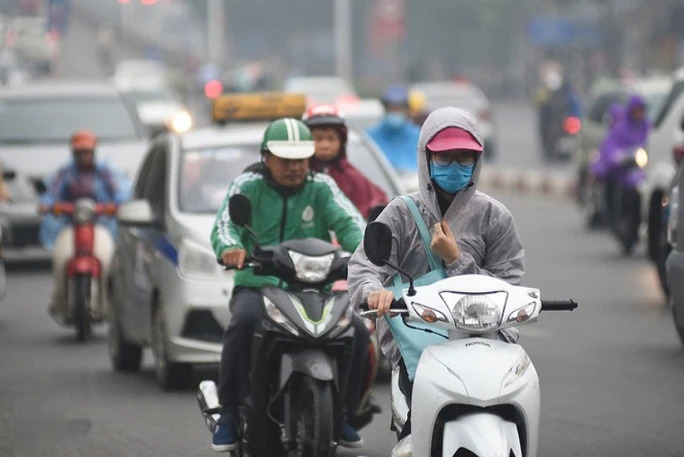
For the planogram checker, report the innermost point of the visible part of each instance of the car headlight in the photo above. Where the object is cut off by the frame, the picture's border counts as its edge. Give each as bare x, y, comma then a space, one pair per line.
517, 370
521, 315
278, 317
476, 313
641, 158
181, 122
311, 269
428, 314
84, 211
198, 262
673, 217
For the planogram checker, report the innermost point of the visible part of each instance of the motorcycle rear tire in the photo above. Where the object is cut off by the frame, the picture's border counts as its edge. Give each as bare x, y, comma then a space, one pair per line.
314, 420
82, 306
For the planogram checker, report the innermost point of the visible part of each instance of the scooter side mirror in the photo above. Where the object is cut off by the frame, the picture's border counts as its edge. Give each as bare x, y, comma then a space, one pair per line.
239, 209
377, 242
8, 175
375, 212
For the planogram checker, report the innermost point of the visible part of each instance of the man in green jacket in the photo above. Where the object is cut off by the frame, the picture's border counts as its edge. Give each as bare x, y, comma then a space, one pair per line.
288, 202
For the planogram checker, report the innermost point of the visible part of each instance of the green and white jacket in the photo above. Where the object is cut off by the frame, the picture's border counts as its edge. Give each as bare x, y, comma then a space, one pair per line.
311, 211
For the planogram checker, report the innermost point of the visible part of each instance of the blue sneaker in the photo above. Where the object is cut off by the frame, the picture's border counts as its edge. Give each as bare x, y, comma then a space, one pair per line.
349, 437
225, 436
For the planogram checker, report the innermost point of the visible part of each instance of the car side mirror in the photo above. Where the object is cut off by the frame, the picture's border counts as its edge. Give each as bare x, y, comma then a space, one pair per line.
377, 242
136, 213
239, 209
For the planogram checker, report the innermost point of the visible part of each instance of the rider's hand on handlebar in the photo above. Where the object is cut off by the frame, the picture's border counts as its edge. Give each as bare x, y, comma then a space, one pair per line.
380, 300
235, 257
444, 243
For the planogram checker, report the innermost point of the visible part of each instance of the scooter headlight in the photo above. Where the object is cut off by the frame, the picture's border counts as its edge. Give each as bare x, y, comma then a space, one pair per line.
278, 317
84, 211
311, 269
476, 313
517, 370
641, 158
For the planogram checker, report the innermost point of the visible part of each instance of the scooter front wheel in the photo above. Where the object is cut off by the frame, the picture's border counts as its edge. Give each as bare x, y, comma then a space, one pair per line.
313, 415
82, 306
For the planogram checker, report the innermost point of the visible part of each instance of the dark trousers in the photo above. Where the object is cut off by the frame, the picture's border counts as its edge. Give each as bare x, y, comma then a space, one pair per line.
246, 314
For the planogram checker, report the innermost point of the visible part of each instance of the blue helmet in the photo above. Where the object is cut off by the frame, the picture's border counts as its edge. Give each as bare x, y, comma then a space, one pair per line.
395, 96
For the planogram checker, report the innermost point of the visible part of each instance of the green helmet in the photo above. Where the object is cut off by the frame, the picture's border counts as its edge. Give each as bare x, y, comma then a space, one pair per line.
289, 139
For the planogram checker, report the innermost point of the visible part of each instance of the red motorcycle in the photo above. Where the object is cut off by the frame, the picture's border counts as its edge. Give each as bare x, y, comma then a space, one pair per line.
84, 298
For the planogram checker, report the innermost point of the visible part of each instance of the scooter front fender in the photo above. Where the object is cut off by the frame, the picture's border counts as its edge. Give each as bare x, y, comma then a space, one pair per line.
484, 434
315, 364
83, 266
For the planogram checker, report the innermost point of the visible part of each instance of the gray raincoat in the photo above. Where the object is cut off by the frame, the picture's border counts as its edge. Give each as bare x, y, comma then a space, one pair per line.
484, 229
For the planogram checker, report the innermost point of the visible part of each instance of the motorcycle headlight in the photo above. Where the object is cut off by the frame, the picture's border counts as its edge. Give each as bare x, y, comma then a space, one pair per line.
517, 370
311, 269
673, 217
180, 122
84, 211
428, 314
278, 317
198, 262
641, 158
476, 313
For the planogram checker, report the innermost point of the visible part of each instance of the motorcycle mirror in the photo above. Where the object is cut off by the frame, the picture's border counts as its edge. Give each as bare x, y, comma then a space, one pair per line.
8, 175
239, 209
377, 242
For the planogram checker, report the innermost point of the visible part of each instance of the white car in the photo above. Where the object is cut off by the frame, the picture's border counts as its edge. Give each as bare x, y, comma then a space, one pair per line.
167, 290
667, 129
139, 73
464, 95
36, 122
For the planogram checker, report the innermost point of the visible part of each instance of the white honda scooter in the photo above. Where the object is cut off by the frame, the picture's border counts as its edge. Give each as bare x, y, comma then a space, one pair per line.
473, 395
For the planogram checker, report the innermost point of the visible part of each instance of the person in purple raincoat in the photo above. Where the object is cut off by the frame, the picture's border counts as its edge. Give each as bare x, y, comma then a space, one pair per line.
629, 129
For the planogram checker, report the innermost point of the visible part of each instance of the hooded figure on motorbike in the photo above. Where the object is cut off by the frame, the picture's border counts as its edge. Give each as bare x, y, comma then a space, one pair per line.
629, 130
472, 233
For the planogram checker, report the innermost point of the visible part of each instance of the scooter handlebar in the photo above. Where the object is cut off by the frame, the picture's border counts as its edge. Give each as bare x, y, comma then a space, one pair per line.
558, 305
249, 262
397, 307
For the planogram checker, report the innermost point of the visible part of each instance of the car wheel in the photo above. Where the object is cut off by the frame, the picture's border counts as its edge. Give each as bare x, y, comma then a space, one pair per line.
123, 355
170, 375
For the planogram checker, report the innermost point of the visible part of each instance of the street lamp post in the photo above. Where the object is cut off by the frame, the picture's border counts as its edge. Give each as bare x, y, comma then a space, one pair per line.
216, 31
343, 38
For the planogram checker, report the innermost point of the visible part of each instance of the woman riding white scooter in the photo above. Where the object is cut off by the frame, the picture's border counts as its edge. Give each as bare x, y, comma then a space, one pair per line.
472, 233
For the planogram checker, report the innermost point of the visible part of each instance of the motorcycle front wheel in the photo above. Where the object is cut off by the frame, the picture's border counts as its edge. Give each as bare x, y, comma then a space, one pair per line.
82, 306
313, 417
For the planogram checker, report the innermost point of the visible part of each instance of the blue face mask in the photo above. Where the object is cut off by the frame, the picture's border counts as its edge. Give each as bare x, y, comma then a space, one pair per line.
451, 178
395, 119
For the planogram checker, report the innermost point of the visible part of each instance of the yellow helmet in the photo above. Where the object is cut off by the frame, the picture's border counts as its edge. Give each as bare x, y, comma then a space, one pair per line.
417, 102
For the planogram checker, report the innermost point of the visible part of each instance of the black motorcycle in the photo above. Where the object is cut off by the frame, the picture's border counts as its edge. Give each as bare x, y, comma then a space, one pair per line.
301, 354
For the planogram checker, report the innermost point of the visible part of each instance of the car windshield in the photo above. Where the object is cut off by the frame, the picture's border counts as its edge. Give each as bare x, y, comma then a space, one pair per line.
54, 120
206, 173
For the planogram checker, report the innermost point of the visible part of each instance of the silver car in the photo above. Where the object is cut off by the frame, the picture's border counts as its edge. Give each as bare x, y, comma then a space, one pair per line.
36, 122
166, 289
